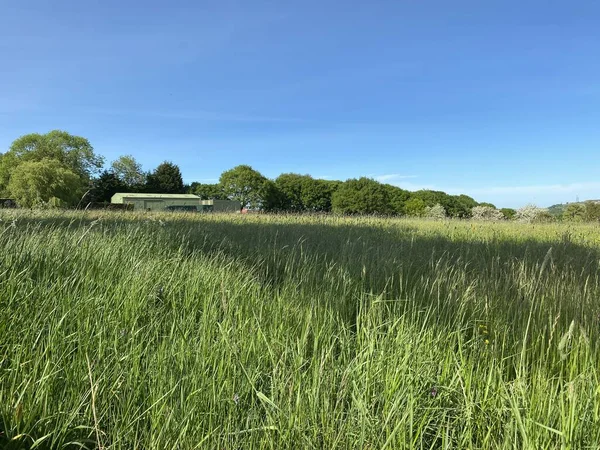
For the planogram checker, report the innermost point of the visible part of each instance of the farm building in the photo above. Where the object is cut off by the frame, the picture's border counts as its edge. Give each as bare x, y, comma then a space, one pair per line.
173, 202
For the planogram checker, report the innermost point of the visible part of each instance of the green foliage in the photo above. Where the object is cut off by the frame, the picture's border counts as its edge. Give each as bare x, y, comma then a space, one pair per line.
486, 204
436, 212
243, 184
544, 217
486, 213
272, 199
557, 210
171, 331
165, 179
466, 202
398, 198
129, 172
304, 193
317, 194
71, 152
36, 182
207, 191
509, 213
415, 207
104, 187
291, 187
592, 211
455, 206
574, 212
361, 196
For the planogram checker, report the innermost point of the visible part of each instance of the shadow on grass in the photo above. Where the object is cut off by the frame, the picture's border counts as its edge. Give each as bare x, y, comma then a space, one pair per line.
463, 279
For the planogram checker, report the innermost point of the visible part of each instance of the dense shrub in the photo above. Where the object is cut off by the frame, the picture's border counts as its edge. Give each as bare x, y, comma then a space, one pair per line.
435, 212
486, 213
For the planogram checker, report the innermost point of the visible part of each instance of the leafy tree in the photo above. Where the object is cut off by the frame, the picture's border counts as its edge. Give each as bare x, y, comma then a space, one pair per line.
398, 198
291, 186
592, 211
575, 212
73, 153
36, 182
104, 187
415, 207
435, 212
361, 196
454, 206
317, 194
531, 213
243, 184
129, 172
466, 201
557, 210
271, 197
486, 213
207, 191
488, 205
166, 179
509, 213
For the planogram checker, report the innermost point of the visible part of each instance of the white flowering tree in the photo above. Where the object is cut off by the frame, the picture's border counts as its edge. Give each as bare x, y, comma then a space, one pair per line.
486, 213
435, 212
531, 213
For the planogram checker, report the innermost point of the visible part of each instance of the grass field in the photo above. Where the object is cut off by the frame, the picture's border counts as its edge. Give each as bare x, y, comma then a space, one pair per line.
245, 332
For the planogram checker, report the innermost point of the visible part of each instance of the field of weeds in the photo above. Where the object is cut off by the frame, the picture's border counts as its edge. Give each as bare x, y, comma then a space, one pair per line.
179, 331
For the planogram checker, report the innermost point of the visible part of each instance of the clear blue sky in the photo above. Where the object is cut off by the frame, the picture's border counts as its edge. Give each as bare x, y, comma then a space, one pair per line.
496, 99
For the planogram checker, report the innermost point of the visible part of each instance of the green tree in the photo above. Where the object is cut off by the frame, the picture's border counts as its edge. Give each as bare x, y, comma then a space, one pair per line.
592, 211
304, 193
271, 197
104, 187
361, 196
509, 213
317, 194
453, 205
208, 191
35, 182
574, 212
166, 179
489, 205
291, 186
74, 153
129, 172
435, 212
466, 201
243, 184
398, 198
415, 207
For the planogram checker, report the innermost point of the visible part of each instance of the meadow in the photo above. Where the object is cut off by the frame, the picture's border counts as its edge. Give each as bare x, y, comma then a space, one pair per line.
180, 331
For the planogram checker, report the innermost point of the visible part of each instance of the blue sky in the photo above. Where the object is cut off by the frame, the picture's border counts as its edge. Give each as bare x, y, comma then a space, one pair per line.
496, 99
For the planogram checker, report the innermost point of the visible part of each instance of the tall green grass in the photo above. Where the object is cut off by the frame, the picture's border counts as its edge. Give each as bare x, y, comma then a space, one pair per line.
123, 331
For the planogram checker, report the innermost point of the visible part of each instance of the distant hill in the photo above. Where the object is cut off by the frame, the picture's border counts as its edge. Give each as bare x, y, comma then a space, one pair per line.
558, 209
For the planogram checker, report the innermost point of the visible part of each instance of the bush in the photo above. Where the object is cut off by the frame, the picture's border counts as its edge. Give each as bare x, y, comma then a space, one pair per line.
508, 213
435, 212
486, 213
531, 213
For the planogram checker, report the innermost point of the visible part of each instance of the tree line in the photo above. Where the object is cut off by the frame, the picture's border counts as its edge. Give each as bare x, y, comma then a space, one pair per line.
58, 168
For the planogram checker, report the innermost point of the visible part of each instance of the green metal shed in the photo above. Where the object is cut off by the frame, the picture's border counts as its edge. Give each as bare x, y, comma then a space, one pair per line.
159, 202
